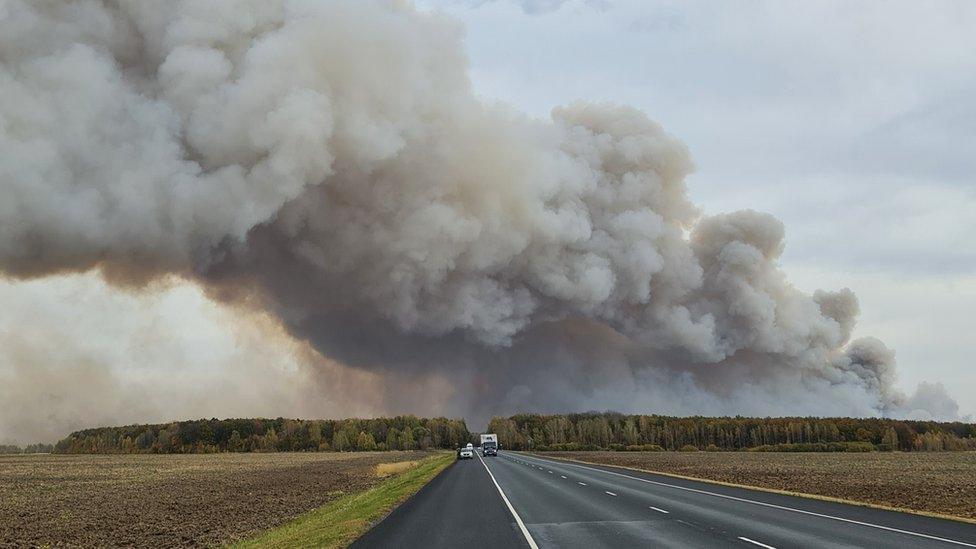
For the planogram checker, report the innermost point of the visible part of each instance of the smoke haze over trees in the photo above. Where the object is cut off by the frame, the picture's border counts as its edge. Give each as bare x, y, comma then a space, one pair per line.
39, 448
270, 435
612, 431
327, 163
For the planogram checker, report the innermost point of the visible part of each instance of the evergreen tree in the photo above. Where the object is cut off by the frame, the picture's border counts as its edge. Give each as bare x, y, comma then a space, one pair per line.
341, 442
234, 443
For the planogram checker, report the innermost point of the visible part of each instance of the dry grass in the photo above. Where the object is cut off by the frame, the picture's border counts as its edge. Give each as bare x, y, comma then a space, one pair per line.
339, 522
938, 482
171, 500
387, 469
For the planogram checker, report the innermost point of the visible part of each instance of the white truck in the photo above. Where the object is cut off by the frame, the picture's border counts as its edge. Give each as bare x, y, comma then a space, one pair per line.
489, 445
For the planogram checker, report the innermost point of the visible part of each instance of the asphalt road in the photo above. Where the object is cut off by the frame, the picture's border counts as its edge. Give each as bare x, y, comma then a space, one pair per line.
459, 509
563, 504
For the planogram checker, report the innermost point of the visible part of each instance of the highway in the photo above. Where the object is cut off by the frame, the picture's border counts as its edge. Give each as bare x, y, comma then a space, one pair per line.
520, 500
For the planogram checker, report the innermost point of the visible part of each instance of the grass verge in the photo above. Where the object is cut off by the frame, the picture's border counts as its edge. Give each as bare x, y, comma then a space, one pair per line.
339, 522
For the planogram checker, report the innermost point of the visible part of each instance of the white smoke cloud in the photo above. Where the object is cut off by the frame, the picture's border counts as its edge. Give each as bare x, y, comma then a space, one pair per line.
76, 353
328, 162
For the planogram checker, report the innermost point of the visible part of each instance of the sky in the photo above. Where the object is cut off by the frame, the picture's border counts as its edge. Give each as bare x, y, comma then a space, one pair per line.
854, 124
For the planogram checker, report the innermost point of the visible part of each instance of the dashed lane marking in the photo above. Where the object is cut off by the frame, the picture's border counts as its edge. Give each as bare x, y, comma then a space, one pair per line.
769, 505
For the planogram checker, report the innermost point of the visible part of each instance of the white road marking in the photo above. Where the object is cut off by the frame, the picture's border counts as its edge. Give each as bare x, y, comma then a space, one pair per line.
550, 472
562, 476
659, 510
771, 505
518, 519
610, 494
581, 483
754, 542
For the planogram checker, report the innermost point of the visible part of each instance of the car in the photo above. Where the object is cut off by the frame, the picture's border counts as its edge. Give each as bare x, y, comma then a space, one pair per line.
465, 453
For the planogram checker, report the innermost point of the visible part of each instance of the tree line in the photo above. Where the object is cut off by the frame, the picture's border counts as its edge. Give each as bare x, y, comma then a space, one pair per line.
584, 431
614, 431
29, 449
270, 435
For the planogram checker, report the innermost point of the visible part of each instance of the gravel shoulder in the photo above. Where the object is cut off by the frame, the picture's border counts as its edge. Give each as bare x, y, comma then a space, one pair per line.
943, 483
171, 500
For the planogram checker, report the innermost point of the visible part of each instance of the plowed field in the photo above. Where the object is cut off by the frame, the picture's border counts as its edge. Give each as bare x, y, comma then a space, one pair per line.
169, 500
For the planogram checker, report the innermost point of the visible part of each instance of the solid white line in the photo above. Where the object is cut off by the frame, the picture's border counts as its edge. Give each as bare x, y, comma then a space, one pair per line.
764, 504
610, 493
659, 510
518, 519
581, 483
754, 542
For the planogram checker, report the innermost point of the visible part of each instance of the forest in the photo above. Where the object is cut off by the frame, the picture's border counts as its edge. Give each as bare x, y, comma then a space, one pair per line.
614, 431
564, 432
270, 435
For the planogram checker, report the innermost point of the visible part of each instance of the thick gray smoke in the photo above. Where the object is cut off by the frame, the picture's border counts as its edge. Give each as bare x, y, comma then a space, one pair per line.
329, 163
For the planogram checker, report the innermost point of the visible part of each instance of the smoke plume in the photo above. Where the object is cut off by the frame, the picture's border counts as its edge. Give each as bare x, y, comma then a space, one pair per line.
76, 353
328, 163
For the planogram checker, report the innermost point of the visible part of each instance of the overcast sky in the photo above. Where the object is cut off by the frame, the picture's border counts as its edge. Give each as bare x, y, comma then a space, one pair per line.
854, 123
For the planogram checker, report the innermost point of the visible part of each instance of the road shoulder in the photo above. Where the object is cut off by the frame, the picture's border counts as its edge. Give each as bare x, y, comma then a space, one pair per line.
341, 521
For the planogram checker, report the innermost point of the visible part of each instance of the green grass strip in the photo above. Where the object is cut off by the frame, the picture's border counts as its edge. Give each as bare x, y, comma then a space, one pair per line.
339, 522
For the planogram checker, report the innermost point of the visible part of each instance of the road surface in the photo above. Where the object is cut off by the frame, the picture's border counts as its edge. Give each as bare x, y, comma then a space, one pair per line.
519, 500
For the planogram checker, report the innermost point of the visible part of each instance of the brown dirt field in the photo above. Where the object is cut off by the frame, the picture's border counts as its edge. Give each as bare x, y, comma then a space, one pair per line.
170, 500
934, 482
